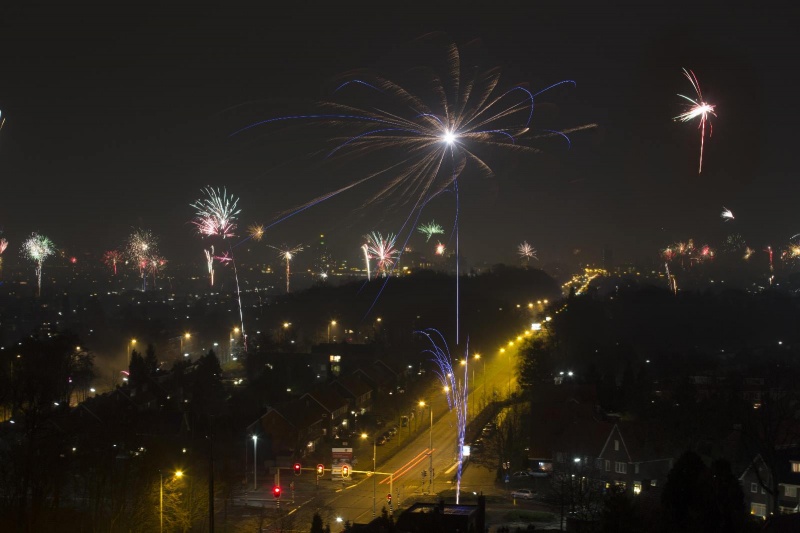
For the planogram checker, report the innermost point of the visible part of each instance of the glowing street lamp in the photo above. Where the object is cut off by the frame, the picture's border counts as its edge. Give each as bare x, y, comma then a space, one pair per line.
332, 323
255, 462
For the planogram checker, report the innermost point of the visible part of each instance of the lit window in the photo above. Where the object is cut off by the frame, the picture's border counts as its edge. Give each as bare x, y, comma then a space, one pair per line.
653, 482
790, 492
637, 487
620, 468
796, 466
758, 509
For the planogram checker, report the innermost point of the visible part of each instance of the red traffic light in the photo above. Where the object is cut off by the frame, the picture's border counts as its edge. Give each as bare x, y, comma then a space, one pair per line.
320, 470
297, 469
389, 497
345, 471
276, 492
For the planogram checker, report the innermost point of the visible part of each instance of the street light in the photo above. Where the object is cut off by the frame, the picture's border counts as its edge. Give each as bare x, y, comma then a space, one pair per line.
186, 336
178, 475
430, 439
332, 323
374, 468
255, 462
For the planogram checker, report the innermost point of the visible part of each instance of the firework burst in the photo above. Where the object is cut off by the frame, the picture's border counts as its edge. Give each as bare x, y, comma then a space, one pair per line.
3, 245
699, 108
111, 258
216, 213
430, 229
526, 252
287, 254
431, 135
384, 251
141, 247
256, 232
38, 248
726, 214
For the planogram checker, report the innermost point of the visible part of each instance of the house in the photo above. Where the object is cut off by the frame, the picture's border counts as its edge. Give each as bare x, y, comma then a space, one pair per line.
601, 453
758, 475
356, 391
335, 407
295, 428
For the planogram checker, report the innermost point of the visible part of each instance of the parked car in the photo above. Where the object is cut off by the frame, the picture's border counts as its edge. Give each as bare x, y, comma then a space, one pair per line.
523, 494
381, 441
392, 431
520, 474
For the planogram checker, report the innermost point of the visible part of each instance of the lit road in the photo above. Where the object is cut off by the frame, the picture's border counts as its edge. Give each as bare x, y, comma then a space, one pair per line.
353, 499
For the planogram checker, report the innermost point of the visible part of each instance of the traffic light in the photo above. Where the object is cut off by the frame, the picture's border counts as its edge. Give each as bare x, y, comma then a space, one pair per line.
276, 492
297, 469
345, 471
320, 470
389, 498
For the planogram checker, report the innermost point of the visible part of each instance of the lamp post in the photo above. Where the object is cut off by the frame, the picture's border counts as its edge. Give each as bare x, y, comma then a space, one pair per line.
332, 323
186, 336
430, 441
130, 350
255, 462
374, 468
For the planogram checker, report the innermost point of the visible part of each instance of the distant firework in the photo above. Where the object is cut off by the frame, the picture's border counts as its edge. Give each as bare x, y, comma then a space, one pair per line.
734, 243
526, 252
747, 253
287, 254
210, 264
365, 249
698, 108
3, 245
141, 247
216, 213
383, 250
256, 232
111, 258
726, 214
38, 248
430, 229
440, 249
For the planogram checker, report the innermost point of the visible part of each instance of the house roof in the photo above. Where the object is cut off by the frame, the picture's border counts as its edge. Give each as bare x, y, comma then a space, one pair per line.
584, 437
380, 374
301, 415
328, 398
353, 385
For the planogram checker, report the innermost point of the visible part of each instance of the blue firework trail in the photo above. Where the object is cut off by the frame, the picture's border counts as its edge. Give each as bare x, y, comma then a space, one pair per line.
456, 389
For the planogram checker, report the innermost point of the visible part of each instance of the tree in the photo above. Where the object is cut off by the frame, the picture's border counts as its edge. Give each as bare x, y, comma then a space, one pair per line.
137, 370
537, 362
697, 498
316, 524
150, 360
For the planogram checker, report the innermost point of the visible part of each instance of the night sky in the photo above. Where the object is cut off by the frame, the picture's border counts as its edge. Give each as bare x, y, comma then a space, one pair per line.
117, 117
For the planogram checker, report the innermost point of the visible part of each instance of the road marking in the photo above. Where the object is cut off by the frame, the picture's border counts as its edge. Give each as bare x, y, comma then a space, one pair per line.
451, 468
403, 470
